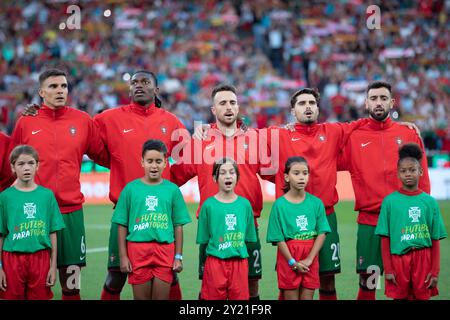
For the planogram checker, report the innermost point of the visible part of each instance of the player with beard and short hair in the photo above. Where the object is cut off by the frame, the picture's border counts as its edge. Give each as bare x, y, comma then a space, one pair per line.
371, 156
320, 143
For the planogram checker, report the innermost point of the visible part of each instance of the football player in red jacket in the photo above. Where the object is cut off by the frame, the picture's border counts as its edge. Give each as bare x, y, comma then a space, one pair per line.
62, 135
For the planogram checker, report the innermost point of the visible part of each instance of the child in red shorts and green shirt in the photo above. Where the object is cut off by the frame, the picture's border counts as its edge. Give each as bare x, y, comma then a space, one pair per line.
225, 225
411, 226
298, 226
151, 213
29, 219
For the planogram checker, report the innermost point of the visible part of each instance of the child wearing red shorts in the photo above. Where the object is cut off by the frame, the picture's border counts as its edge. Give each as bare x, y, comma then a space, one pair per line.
298, 226
225, 224
151, 213
411, 226
29, 219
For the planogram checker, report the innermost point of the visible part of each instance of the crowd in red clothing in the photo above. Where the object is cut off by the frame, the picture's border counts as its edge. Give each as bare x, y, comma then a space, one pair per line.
268, 49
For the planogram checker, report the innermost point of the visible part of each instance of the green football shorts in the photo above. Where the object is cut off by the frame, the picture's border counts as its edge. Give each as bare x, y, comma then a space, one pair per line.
72, 240
329, 255
368, 250
113, 247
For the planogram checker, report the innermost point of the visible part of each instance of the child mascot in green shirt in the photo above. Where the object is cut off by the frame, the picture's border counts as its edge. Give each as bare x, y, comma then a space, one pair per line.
225, 225
151, 213
298, 226
29, 219
411, 226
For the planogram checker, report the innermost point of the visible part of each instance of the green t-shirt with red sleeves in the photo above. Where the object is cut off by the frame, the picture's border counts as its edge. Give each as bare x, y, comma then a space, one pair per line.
226, 227
297, 221
150, 212
27, 218
410, 221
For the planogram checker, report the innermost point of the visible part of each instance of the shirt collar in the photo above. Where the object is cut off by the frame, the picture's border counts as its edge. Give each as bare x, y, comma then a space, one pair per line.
410, 193
306, 129
380, 125
53, 112
143, 110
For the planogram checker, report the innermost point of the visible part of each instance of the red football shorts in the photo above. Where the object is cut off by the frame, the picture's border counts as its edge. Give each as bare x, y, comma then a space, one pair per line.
26, 275
411, 270
225, 279
150, 259
289, 279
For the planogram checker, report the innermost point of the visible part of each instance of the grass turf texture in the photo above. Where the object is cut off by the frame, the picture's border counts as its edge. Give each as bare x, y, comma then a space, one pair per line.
97, 220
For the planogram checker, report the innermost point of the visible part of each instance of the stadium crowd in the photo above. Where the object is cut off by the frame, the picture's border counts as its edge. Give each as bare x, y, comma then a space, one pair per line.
268, 49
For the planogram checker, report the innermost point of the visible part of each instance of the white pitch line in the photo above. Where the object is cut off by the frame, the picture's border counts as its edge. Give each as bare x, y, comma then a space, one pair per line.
96, 250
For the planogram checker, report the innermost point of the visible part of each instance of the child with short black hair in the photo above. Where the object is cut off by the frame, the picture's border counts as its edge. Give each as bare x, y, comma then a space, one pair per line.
411, 226
29, 219
151, 213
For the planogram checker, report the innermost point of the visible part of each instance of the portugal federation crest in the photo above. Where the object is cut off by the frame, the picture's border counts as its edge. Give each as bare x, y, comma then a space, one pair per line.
230, 221
414, 214
151, 202
302, 222
73, 131
29, 209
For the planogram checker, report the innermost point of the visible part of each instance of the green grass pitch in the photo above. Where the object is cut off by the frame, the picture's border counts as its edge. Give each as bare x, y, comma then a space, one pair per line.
97, 220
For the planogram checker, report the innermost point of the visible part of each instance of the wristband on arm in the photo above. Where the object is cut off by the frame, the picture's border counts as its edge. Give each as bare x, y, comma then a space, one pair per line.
291, 262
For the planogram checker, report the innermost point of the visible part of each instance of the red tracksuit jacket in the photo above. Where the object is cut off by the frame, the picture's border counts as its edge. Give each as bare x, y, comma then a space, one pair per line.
6, 177
124, 131
61, 138
371, 157
320, 145
243, 147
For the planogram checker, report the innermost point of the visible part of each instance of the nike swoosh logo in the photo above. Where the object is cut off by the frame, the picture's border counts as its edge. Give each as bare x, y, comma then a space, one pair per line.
82, 257
337, 265
365, 144
34, 132
126, 131
209, 147
257, 270
295, 139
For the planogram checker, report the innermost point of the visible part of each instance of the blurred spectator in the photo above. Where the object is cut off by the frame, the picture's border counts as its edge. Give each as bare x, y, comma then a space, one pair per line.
267, 48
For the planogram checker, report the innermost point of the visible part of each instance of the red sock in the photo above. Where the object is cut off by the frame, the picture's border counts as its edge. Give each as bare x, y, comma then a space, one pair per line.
330, 295
107, 295
175, 292
366, 294
71, 297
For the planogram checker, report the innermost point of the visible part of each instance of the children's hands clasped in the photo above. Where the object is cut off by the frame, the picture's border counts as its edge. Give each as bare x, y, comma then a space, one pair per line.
302, 266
